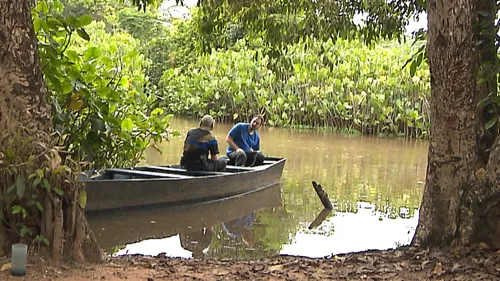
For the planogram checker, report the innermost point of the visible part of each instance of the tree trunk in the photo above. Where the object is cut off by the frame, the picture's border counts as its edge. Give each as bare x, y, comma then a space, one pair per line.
461, 195
26, 144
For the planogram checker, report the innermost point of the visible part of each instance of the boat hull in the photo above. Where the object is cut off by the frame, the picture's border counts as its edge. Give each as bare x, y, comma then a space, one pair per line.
106, 194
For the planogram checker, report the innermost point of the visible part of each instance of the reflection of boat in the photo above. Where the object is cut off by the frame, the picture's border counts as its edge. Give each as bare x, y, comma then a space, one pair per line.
171, 185
114, 228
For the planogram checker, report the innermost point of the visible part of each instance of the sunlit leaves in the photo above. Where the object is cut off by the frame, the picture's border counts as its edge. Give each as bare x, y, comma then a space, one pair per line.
127, 125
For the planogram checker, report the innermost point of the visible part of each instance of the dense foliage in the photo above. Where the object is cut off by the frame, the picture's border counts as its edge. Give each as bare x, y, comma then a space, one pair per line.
342, 85
281, 23
97, 89
312, 82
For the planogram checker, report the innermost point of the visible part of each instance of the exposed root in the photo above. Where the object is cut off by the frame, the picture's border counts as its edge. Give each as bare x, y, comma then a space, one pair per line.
57, 241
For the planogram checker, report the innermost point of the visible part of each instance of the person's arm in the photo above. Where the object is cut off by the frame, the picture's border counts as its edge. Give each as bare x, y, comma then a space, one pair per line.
231, 143
214, 149
256, 148
229, 139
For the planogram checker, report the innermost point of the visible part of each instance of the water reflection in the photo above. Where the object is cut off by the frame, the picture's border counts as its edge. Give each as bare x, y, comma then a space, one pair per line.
374, 184
351, 232
240, 228
183, 231
320, 218
196, 241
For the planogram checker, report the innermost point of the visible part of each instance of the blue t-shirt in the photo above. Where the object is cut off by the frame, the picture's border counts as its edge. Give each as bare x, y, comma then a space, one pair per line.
243, 139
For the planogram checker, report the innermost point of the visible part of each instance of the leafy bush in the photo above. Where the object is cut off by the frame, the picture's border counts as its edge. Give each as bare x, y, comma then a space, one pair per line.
343, 85
97, 89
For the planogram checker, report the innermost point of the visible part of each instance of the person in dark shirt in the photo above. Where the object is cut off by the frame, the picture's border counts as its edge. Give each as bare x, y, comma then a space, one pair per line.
196, 241
244, 143
198, 145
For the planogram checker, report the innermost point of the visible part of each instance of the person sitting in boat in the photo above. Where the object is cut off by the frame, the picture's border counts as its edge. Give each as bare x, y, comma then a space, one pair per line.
244, 143
198, 144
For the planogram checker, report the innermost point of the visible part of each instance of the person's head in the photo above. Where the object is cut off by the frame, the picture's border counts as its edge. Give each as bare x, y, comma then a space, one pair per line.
207, 123
256, 122
196, 241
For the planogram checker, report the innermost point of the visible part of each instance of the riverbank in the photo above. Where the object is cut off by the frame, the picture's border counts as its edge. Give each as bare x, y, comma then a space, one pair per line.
407, 263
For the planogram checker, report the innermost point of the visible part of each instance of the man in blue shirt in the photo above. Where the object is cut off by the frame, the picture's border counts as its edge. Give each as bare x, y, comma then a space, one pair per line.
244, 143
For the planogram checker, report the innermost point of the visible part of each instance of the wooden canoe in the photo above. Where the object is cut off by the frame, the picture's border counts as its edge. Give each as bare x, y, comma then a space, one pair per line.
173, 185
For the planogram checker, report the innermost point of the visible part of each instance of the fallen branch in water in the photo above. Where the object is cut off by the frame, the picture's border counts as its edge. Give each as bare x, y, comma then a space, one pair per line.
323, 196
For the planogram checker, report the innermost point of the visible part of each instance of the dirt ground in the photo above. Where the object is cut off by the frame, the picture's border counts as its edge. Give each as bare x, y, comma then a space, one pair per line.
474, 263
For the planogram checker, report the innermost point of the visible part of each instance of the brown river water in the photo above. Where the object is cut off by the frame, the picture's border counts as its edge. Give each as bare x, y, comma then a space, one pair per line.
375, 184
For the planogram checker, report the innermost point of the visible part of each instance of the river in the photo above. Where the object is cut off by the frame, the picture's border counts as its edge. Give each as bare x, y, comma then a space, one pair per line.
375, 184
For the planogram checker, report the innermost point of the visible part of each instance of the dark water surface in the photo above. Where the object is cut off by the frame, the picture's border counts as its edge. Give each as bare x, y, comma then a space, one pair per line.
375, 184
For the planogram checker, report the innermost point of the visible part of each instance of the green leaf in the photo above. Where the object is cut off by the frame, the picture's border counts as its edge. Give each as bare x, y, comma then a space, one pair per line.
40, 173
491, 122
413, 68
127, 125
82, 33
20, 186
97, 124
483, 13
92, 53
46, 184
72, 55
42, 239
59, 169
85, 19
124, 82
66, 87
37, 24
39, 206
59, 191
16, 209
73, 21
36, 182
25, 230
82, 199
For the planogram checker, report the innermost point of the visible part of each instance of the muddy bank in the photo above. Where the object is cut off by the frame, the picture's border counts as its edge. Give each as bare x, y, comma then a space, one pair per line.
474, 263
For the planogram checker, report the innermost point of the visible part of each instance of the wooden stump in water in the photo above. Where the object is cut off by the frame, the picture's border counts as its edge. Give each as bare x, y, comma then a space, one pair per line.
323, 196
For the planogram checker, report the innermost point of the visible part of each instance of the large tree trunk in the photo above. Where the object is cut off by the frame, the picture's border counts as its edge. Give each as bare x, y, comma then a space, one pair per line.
26, 145
460, 203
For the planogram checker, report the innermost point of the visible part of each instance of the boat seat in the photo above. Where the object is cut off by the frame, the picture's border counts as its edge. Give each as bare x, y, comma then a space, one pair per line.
181, 170
148, 174
243, 168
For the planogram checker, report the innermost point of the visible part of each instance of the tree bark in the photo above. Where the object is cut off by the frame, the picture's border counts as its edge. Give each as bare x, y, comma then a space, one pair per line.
25, 132
454, 206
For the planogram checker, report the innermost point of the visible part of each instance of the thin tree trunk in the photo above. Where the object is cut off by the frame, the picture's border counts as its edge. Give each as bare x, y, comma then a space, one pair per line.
453, 207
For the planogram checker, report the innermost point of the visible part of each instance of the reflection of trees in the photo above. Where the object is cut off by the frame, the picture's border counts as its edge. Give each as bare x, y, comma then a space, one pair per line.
388, 181
270, 231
